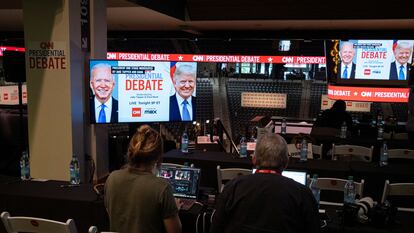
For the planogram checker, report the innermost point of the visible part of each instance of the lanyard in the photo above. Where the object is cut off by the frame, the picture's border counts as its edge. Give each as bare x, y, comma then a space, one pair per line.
267, 171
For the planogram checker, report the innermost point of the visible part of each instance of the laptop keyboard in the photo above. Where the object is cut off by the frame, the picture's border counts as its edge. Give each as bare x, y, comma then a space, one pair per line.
187, 203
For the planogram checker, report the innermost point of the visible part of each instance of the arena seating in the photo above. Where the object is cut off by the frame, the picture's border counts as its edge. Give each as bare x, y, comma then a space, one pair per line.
240, 116
317, 90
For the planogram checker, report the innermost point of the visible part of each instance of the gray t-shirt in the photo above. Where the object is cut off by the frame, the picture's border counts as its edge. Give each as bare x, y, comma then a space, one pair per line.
138, 201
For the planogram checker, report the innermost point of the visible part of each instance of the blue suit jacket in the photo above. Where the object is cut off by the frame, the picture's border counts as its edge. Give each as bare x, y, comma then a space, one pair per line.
175, 111
114, 110
394, 72
351, 76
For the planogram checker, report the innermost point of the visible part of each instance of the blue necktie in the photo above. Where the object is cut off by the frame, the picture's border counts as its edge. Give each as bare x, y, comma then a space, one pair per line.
102, 116
401, 76
186, 114
345, 76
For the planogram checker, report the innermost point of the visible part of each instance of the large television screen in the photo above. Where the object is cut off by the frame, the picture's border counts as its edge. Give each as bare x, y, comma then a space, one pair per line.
370, 62
142, 91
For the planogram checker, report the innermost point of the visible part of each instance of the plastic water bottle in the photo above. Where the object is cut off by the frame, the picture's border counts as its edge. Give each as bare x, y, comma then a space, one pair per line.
380, 134
304, 151
344, 129
283, 126
349, 191
384, 155
243, 148
25, 166
315, 189
184, 142
380, 118
74, 170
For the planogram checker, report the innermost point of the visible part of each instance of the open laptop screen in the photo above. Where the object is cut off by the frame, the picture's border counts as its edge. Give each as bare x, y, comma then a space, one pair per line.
183, 180
298, 176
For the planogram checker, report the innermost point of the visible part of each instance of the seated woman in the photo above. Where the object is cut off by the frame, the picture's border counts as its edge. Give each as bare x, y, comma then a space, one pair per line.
137, 200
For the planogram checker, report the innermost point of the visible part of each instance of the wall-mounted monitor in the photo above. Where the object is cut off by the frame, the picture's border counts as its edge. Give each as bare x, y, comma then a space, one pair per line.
142, 91
370, 62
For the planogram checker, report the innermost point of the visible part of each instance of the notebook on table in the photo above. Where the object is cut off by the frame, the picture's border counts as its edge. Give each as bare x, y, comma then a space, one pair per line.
184, 182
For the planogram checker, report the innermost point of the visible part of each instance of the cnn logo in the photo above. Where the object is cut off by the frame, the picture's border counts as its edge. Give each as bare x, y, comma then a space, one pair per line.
136, 112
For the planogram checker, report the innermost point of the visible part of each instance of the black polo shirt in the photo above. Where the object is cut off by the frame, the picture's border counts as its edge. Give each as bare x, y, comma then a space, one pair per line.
264, 203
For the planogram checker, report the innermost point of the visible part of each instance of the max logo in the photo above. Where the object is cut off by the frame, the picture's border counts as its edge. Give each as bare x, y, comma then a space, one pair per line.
150, 111
5, 96
136, 112
367, 72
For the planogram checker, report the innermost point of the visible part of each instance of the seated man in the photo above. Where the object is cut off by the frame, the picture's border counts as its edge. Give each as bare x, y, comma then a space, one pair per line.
266, 202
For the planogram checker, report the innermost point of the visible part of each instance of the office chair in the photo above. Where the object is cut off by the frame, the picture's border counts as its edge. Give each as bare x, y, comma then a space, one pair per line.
36, 225
396, 136
336, 184
295, 152
352, 152
226, 174
400, 154
400, 190
317, 150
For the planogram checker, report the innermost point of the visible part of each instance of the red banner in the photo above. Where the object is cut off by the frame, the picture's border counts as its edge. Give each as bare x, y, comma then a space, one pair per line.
215, 58
202, 57
4, 48
372, 94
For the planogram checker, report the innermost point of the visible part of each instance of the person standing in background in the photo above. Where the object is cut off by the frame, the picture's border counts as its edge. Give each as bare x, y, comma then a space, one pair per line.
335, 116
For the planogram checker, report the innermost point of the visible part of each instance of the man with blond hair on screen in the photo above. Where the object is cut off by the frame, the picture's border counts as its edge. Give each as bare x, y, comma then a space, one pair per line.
400, 69
182, 103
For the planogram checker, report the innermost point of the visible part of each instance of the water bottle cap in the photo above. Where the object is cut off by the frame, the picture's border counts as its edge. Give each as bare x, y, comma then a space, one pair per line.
350, 178
315, 176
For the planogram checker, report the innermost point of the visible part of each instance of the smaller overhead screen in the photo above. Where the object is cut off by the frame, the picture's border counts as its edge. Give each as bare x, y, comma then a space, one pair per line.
370, 62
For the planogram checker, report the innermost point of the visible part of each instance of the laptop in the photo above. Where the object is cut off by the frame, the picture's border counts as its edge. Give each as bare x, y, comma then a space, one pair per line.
184, 182
298, 176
